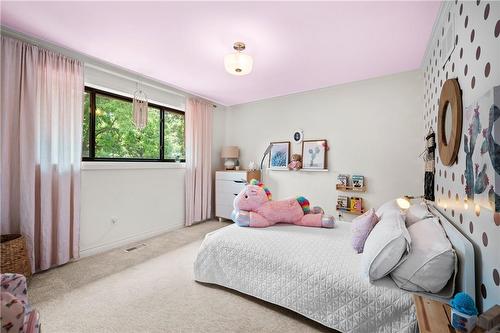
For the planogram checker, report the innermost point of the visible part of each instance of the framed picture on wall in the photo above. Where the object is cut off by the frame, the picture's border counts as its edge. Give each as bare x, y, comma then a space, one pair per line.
280, 155
314, 154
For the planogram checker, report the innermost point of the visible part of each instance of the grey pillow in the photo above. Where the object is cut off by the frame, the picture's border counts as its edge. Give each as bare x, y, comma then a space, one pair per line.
389, 207
386, 246
416, 213
431, 261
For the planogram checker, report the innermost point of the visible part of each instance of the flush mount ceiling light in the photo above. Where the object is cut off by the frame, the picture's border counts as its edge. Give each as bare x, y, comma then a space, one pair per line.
238, 63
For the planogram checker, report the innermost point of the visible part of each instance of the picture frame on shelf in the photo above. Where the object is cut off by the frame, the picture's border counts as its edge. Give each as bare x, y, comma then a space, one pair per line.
314, 154
279, 155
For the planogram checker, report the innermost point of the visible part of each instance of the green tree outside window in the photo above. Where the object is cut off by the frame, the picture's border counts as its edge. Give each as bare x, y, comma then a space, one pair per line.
117, 137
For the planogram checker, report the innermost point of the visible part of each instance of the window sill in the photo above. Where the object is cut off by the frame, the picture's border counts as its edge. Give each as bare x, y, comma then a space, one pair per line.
131, 165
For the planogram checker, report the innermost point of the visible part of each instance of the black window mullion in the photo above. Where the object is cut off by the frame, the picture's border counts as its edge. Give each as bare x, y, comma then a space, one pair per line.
162, 134
92, 126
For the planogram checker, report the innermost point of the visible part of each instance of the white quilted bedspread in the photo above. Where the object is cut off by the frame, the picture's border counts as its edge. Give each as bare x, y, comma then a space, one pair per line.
312, 271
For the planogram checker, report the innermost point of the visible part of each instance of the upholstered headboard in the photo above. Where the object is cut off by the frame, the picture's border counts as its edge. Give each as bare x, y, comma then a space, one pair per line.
465, 279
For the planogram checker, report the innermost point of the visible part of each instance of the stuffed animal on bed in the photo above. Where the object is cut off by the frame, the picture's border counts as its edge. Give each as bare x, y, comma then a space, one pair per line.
253, 207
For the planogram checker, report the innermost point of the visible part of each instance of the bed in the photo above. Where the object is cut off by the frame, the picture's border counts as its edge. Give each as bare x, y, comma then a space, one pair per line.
311, 271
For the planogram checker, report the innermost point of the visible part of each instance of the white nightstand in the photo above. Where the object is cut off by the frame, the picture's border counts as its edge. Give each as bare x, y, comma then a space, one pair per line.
227, 185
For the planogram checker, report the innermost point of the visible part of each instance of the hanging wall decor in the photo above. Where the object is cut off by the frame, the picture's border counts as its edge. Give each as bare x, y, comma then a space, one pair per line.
140, 109
450, 121
430, 167
297, 136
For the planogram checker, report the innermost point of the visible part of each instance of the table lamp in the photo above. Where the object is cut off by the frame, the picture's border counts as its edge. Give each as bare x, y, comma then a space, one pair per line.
231, 154
404, 202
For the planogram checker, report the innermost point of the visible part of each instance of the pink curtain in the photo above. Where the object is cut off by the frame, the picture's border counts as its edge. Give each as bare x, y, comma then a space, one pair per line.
41, 129
198, 161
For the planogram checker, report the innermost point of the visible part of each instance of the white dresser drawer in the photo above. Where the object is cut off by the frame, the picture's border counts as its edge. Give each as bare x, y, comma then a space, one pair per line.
225, 186
225, 198
223, 211
231, 175
228, 184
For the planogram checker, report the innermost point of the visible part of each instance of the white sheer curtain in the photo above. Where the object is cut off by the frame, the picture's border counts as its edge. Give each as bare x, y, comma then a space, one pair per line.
198, 161
41, 134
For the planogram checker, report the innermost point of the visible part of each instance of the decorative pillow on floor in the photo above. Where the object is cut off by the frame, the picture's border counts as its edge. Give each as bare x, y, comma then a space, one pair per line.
386, 247
431, 261
416, 213
388, 207
361, 227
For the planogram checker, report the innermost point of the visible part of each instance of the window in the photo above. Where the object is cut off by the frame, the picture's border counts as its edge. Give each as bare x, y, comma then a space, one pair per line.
109, 132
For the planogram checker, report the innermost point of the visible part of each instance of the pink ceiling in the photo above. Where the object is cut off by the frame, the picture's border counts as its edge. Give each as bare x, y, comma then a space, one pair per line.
297, 46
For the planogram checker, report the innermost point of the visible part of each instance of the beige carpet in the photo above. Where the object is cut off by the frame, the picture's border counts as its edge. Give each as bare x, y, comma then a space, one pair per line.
152, 290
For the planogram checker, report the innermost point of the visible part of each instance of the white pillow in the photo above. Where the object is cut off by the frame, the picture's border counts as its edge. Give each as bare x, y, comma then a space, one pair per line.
416, 213
388, 207
386, 246
431, 261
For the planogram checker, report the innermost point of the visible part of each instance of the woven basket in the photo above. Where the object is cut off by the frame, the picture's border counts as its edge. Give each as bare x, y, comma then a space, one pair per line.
14, 255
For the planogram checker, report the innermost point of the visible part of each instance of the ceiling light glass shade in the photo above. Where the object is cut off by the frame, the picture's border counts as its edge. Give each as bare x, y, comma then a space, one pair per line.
238, 63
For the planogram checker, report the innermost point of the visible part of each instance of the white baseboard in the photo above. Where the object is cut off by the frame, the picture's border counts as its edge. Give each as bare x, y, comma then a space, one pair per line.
132, 239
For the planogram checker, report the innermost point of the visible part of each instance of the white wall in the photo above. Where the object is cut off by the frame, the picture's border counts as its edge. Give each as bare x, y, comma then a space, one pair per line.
144, 200
373, 128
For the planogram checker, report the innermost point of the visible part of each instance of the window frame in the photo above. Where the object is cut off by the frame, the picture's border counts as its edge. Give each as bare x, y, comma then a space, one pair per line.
92, 123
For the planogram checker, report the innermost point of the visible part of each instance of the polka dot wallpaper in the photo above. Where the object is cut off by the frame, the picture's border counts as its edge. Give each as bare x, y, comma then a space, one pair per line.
475, 62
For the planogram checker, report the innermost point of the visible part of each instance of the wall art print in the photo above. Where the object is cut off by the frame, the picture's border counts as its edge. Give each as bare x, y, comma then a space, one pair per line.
280, 155
314, 154
482, 160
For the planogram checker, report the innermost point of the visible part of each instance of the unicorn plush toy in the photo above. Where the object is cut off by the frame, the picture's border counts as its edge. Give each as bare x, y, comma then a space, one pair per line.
253, 207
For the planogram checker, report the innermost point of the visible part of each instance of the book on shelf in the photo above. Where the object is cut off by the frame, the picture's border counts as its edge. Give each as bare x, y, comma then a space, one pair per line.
356, 204
358, 181
343, 180
342, 202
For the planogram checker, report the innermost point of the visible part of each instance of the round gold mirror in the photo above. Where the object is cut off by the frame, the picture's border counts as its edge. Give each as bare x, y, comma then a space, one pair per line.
449, 121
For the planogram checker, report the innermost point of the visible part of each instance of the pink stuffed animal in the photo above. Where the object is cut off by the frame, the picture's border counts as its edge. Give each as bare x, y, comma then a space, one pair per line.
253, 208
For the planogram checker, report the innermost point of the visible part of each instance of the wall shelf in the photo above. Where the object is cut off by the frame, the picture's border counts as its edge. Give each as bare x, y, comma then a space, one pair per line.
301, 170
349, 211
349, 202
347, 188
